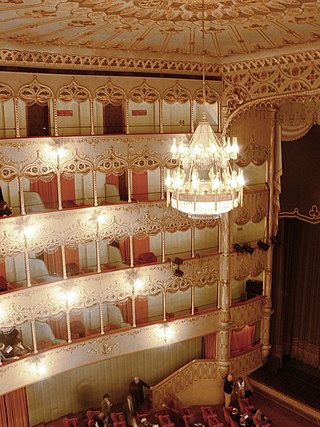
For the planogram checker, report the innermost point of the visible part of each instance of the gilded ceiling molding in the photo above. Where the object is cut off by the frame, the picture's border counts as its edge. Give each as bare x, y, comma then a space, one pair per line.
73, 92
274, 61
110, 94
270, 82
272, 102
35, 93
93, 62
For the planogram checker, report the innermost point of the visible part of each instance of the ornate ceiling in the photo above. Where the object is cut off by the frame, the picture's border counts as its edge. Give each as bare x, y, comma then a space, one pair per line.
161, 29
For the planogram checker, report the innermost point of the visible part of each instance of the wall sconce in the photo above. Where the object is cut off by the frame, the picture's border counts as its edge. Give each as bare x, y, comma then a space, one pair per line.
166, 332
178, 261
178, 273
247, 248
41, 368
238, 248
263, 245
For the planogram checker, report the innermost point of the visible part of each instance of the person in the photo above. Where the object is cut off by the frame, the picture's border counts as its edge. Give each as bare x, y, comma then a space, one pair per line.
4, 210
259, 419
106, 405
235, 415
245, 421
228, 390
18, 348
241, 388
100, 420
3, 356
136, 391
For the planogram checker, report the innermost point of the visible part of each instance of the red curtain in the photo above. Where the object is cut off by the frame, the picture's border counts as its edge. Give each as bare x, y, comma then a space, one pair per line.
112, 179
53, 262
3, 277
68, 192
14, 409
210, 346
48, 190
140, 246
140, 186
242, 340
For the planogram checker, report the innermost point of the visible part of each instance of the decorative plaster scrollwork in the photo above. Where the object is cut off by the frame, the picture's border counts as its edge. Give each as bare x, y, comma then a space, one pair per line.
8, 169
78, 163
144, 159
297, 119
250, 265
176, 94
6, 93
242, 316
112, 162
73, 92
253, 153
146, 226
247, 362
35, 93
144, 93
110, 94
211, 96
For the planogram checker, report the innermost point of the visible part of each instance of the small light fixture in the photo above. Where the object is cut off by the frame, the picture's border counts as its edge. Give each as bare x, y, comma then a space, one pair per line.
247, 248
101, 219
138, 285
263, 245
238, 248
178, 261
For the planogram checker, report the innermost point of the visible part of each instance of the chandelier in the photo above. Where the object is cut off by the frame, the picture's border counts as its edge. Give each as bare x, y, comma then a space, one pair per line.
207, 182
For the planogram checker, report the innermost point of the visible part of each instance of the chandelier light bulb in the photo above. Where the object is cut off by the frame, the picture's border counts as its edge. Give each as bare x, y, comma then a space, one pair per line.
174, 148
168, 180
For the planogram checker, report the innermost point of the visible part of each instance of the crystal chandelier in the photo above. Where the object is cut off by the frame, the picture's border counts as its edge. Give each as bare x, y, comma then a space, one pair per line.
206, 182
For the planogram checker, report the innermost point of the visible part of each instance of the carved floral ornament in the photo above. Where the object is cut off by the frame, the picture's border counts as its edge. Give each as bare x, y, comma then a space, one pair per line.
73, 92
37, 92
284, 79
110, 93
42, 303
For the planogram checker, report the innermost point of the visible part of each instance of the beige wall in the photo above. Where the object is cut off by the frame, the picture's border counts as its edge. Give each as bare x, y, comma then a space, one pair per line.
82, 388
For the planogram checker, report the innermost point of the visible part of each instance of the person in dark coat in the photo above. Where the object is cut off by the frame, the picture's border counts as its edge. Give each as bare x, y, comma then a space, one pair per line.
4, 210
136, 391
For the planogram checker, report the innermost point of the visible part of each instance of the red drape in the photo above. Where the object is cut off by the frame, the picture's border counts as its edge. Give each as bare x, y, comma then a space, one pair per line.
53, 262
48, 190
242, 340
112, 179
210, 346
14, 409
3, 277
140, 186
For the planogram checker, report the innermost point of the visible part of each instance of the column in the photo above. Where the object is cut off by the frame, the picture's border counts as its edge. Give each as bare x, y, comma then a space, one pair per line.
223, 336
267, 304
